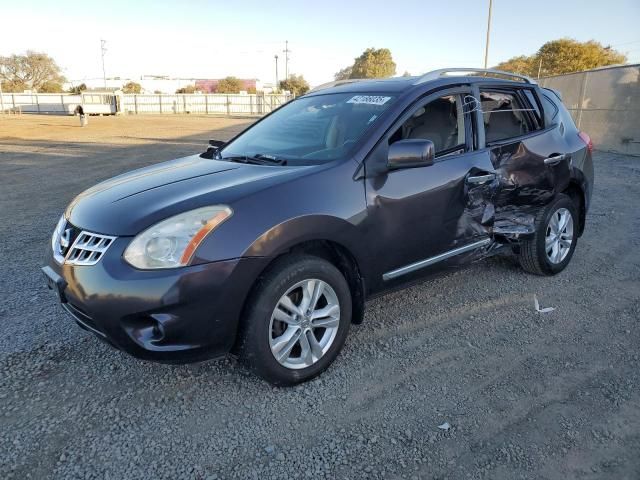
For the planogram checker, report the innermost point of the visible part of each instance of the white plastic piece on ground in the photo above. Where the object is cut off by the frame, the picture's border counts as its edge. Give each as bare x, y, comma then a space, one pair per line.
537, 305
445, 426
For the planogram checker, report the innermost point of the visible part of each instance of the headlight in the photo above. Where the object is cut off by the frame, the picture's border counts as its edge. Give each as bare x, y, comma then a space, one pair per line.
57, 233
172, 242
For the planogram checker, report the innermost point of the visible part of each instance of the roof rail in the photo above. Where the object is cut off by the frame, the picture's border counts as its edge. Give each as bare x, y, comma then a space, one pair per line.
435, 74
336, 83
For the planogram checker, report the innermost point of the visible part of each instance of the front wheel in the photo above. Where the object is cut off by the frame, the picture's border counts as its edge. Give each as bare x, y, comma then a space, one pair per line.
556, 234
297, 320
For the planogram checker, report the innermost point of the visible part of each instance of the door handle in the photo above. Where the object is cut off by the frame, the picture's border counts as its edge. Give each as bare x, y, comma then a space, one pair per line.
556, 159
480, 179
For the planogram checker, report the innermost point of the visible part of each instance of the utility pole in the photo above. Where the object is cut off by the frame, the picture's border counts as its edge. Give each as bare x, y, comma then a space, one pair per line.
486, 48
276, 57
103, 50
286, 59
540, 66
1, 96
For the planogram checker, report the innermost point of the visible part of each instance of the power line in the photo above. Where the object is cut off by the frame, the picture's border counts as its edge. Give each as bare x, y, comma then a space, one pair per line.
625, 43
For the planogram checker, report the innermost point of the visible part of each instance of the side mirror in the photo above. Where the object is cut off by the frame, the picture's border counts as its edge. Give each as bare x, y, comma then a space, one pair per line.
214, 146
410, 153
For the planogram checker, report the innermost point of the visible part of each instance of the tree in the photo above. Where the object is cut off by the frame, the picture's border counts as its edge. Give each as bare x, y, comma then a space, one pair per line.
296, 84
187, 89
563, 56
131, 87
51, 87
229, 85
31, 71
521, 64
373, 63
406, 74
343, 74
77, 90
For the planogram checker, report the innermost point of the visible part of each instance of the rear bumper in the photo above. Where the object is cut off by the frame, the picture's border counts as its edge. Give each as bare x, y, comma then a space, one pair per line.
175, 315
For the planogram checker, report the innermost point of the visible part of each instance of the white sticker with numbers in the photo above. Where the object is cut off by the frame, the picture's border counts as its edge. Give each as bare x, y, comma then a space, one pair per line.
369, 99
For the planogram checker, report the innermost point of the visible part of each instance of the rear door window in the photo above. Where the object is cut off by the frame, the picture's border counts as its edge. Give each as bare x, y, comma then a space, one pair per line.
504, 116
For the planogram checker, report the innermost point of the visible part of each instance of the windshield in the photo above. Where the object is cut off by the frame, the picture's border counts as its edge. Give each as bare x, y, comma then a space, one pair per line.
310, 130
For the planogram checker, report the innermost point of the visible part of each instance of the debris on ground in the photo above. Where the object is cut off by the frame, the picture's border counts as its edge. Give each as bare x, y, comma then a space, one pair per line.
537, 305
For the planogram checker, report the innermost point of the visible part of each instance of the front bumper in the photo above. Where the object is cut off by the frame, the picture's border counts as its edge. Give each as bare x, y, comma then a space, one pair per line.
174, 315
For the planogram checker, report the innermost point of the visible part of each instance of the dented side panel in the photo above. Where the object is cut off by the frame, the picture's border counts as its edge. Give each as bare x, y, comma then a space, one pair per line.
418, 213
487, 197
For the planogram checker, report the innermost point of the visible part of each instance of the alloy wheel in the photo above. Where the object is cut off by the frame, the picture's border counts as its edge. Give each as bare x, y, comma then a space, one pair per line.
304, 324
559, 236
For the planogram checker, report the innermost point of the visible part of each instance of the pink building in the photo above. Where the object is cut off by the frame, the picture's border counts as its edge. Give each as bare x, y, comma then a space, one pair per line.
210, 86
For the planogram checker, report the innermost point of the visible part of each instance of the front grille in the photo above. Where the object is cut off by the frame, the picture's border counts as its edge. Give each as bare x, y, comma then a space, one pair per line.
88, 248
78, 247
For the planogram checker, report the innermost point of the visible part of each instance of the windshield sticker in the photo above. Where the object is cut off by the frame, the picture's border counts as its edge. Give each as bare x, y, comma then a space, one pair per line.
369, 99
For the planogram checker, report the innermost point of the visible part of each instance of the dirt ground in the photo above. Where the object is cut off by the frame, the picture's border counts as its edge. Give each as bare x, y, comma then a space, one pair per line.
527, 395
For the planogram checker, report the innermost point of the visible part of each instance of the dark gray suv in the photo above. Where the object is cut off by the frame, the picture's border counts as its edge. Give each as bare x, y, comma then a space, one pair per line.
268, 245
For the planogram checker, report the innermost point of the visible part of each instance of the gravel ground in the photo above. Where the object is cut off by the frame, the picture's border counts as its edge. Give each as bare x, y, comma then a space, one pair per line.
526, 395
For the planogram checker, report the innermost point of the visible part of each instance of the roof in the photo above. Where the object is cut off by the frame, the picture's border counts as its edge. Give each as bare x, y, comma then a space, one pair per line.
433, 78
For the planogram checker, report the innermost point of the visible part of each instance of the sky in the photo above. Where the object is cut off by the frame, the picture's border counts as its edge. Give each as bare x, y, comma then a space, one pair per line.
214, 39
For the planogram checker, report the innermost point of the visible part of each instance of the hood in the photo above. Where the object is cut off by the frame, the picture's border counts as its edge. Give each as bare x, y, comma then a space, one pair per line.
127, 204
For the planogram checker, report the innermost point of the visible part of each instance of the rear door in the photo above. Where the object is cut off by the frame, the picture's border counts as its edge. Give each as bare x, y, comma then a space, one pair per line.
531, 159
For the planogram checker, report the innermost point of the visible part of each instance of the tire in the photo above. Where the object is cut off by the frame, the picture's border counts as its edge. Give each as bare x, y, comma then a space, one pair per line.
534, 255
264, 333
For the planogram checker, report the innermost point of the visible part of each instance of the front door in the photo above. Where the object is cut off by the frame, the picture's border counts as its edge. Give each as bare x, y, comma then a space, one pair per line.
425, 217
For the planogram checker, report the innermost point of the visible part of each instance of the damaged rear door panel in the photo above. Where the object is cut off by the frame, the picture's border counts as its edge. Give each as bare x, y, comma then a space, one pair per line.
531, 162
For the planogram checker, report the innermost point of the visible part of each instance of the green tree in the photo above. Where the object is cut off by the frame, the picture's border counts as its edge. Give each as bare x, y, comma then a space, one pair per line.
78, 89
374, 63
31, 71
522, 64
51, 87
296, 84
187, 89
131, 87
343, 74
229, 85
563, 56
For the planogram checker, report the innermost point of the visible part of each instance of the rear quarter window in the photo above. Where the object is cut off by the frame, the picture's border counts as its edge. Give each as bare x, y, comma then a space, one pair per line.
550, 109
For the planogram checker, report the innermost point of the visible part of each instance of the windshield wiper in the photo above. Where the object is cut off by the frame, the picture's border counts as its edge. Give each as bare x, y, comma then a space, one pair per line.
258, 159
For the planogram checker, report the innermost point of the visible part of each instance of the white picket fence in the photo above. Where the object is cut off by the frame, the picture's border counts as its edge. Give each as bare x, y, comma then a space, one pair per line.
106, 103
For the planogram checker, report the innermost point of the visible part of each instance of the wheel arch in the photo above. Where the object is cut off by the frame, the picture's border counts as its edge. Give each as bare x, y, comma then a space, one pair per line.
335, 253
576, 192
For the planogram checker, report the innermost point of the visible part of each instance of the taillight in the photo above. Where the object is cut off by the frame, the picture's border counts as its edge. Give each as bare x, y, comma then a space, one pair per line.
587, 140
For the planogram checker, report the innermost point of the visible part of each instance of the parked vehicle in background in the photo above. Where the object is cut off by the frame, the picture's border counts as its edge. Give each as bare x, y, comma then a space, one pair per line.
99, 103
268, 245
